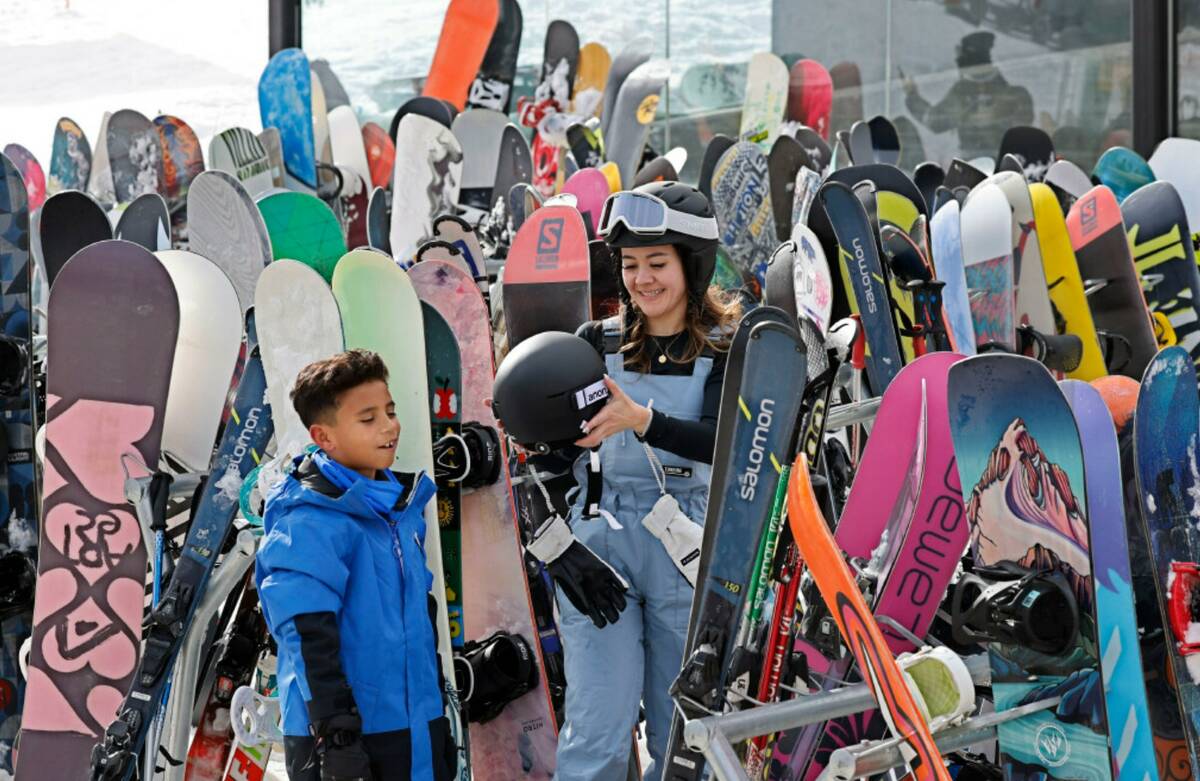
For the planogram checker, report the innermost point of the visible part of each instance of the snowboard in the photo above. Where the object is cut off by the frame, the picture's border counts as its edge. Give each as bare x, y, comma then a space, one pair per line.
443, 372
863, 277
1123, 171
810, 96
181, 158
1020, 459
380, 312
146, 222
31, 173
70, 221
467, 29
272, 144
458, 233
590, 78
717, 146
352, 209
1172, 162
546, 276
590, 189
1116, 624
759, 407
302, 227
20, 495
346, 140
1032, 148
635, 108
430, 108
521, 740
239, 152
1068, 181
479, 132
664, 168
742, 203
635, 53
381, 153
988, 266
210, 337
285, 288
1159, 242
784, 162
1118, 306
945, 231
856, 623
239, 450
70, 158
862, 151
134, 156
765, 99
1029, 277
1165, 443
1064, 283
816, 146
225, 226
331, 85
585, 143
425, 182
492, 86
928, 177
100, 181
885, 141
514, 165
378, 219
712, 86
106, 398
285, 95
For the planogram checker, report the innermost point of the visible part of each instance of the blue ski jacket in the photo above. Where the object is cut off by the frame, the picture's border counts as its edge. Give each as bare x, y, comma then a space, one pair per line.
331, 550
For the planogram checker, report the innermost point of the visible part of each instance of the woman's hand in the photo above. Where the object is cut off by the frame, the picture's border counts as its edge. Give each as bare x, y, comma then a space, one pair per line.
621, 413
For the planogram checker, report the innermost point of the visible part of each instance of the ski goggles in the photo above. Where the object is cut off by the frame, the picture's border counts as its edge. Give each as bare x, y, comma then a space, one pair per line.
648, 215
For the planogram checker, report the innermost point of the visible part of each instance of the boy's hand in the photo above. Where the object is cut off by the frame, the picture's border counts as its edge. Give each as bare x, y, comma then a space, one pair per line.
340, 748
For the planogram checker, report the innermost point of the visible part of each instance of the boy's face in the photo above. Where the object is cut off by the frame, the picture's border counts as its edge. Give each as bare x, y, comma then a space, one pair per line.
364, 429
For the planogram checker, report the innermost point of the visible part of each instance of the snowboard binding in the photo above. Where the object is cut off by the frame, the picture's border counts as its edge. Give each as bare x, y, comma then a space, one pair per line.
471, 459
1013, 605
492, 672
1183, 606
14, 366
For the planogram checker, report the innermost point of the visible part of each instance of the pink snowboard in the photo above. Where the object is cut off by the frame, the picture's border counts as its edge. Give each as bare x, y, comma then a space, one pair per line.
521, 741
590, 188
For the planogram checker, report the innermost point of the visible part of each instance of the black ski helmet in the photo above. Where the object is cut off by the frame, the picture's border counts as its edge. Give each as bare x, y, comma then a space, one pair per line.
546, 387
699, 254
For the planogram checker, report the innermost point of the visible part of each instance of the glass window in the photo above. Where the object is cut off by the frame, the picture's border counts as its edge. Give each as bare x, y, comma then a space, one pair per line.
954, 74
1188, 53
80, 58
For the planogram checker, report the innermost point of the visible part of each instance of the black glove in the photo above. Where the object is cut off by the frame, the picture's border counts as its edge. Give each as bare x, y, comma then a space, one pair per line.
594, 587
340, 748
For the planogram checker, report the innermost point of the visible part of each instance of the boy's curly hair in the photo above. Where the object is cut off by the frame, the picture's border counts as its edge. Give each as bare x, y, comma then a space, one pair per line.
318, 385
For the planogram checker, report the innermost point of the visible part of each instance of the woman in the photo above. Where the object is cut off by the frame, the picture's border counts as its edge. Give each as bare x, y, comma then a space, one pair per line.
665, 356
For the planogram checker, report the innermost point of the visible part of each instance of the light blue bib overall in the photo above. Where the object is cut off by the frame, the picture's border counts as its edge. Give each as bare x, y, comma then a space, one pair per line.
611, 671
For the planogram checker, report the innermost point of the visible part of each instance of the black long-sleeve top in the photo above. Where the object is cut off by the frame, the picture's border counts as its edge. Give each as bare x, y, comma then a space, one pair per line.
690, 439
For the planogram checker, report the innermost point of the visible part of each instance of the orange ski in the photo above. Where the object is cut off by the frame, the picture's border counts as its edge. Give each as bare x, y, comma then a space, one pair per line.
845, 602
466, 33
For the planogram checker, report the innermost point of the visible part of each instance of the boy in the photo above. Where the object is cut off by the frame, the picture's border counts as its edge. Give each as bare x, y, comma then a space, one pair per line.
346, 594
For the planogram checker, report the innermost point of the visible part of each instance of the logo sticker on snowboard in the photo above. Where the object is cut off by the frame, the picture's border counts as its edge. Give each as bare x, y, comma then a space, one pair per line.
549, 244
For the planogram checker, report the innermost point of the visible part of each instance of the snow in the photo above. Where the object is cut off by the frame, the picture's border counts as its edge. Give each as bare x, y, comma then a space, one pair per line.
230, 484
1151, 505
79, 58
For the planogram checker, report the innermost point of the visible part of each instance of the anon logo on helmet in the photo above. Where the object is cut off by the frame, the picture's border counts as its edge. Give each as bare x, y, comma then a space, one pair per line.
549, 244
597, 391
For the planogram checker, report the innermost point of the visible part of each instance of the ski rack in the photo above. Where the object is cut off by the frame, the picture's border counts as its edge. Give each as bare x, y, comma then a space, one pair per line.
844, 415
873, 757
714, 736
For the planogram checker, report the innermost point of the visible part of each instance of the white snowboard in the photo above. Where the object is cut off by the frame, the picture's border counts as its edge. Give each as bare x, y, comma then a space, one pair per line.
210, 337
425, 181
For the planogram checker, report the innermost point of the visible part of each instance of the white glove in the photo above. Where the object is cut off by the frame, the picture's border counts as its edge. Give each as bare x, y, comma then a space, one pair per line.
680, 535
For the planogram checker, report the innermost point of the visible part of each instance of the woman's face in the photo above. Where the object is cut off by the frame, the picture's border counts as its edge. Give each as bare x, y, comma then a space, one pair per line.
655, 281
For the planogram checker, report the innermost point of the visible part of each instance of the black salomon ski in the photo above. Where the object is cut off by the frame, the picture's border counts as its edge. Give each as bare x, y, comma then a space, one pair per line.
246, 435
